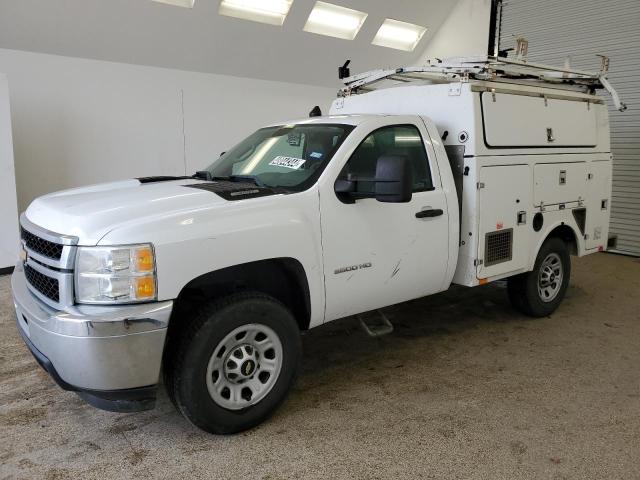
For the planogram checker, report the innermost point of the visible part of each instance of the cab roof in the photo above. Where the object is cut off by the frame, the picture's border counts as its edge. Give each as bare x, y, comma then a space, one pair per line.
351, 119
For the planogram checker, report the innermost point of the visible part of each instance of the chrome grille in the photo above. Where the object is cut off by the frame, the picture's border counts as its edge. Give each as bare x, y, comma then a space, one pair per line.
48, 267
40, 245
47, 286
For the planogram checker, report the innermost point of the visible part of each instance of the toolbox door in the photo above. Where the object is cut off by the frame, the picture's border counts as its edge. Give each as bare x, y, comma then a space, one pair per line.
505, 199
513, 121
598, 204
559, 183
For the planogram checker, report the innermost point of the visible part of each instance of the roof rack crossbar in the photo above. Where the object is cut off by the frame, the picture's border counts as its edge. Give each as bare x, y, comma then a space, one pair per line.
486, 68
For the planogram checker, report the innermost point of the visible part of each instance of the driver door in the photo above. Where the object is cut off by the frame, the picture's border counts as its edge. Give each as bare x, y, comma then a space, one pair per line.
378, 254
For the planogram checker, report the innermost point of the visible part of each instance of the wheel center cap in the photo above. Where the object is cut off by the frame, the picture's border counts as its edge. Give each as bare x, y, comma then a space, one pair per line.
247, 368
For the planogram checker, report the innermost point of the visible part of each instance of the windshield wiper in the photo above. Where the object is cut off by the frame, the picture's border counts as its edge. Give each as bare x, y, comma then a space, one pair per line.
202, 175
244, 178
206, 175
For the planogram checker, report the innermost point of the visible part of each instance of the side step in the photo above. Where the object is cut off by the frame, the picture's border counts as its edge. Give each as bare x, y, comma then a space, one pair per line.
375, 323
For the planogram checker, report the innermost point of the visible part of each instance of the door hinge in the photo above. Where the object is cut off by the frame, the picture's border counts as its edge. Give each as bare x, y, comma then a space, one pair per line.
477, 262
479, 185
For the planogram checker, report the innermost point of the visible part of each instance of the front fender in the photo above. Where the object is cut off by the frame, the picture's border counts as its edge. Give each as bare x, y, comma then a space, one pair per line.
191, 244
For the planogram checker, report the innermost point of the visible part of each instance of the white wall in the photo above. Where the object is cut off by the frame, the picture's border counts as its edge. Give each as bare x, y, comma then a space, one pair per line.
8, 207
465, 32
78, 121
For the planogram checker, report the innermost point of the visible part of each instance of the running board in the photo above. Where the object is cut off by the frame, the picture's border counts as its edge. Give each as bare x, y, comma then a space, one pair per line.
375, 323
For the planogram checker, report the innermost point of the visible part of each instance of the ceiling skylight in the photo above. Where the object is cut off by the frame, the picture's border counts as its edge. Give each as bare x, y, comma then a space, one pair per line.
272, 12
335, 21
399, 35
178, 3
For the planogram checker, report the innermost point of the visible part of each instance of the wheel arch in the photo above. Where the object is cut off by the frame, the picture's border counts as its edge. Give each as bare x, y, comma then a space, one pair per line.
565, 232
282, 278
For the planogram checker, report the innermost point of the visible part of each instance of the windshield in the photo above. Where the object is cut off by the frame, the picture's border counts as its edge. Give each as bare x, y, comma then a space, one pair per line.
291, 157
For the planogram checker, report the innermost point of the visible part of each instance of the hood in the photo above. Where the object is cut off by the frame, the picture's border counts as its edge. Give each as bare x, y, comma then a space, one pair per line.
89, 213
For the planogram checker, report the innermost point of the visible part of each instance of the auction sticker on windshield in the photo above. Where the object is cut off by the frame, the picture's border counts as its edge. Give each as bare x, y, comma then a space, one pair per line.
287, 162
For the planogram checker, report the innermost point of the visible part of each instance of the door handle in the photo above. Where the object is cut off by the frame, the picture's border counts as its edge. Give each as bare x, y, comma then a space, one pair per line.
431, 212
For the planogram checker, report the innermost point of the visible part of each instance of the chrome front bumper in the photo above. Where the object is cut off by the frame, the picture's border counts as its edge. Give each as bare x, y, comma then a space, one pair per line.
93, 348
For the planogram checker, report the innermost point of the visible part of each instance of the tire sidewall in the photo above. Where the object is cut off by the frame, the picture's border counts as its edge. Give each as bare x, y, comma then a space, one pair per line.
193, 396
538, 306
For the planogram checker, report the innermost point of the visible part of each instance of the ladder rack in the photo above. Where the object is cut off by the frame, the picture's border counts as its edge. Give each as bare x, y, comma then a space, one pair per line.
487, 68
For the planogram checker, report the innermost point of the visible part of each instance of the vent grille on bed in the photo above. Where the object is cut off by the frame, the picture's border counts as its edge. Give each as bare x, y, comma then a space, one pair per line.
498, 247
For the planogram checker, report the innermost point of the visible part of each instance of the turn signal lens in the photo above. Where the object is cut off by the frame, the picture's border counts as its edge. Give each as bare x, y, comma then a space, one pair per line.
144, 259
145, 287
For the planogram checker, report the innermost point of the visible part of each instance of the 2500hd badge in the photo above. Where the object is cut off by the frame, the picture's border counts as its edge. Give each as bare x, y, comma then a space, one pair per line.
352, 268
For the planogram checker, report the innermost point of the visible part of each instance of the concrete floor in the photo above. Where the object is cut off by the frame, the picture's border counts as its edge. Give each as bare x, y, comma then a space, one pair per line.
464, 388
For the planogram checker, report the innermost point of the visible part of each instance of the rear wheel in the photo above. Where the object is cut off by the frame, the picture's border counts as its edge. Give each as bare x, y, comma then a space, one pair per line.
539, 293
235, 363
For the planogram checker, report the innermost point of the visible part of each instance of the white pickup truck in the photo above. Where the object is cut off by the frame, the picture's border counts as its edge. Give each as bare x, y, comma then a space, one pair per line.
401, 192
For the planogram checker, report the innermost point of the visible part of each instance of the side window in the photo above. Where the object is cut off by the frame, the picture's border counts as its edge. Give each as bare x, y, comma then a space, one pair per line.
403, 140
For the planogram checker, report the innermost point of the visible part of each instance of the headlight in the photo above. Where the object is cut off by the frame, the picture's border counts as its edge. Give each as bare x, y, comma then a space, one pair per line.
122, 274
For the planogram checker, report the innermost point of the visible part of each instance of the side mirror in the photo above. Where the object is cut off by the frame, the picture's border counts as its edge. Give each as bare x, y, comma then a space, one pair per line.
345, 186
394, 179
393, 182
345, 190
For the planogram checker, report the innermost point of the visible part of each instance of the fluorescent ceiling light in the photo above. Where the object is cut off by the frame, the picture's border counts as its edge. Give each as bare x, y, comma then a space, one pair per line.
399, 35
272, 12
178, 3
334, 21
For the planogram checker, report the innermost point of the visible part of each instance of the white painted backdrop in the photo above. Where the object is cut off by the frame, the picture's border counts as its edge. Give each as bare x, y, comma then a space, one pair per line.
8, 207
78, 121
464, 33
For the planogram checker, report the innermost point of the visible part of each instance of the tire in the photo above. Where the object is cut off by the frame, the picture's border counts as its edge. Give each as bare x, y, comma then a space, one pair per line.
246, 343
538, 293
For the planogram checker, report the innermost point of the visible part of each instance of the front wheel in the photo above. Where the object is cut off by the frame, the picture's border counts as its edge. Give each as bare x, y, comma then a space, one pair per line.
538, 293
235, 362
